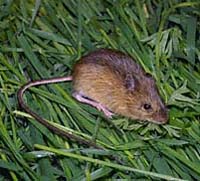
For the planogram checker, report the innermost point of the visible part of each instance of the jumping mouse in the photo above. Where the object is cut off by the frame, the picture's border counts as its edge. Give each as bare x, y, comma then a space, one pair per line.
112, 82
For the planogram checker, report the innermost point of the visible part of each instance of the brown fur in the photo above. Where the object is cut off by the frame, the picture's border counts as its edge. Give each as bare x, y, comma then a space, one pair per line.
116, 81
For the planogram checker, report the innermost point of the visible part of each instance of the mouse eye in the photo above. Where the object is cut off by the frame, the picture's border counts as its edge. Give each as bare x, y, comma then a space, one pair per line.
147, 107
148, 75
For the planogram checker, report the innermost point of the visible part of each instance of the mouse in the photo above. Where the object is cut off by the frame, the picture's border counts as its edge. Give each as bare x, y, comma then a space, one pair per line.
112, 82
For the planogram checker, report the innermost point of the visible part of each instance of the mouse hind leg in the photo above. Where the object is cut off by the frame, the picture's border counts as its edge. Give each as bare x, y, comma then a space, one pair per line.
99, 106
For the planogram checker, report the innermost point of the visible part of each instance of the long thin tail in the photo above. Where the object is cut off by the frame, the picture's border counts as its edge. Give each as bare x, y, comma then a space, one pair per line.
43, 121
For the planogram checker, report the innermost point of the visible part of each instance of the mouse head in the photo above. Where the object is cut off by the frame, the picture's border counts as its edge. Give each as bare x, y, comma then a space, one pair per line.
144, 102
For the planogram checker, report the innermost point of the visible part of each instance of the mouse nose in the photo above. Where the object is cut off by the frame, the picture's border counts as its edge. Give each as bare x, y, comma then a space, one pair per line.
161, 117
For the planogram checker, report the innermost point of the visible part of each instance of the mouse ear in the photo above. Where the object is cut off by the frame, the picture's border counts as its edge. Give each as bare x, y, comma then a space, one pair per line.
130, 82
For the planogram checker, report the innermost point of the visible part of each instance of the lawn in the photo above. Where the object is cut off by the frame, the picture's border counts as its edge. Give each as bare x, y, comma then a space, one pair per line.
43, 39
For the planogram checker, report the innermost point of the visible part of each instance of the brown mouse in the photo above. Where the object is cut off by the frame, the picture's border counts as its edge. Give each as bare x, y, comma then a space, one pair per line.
112, 82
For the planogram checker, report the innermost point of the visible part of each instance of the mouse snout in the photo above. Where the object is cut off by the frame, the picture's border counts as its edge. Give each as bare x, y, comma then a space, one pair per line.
161, 116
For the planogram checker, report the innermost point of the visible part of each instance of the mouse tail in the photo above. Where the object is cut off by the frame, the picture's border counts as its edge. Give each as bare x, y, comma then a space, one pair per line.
43, 121
35, 83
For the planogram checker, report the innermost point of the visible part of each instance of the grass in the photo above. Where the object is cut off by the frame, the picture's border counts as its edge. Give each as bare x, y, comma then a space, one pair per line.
40, 39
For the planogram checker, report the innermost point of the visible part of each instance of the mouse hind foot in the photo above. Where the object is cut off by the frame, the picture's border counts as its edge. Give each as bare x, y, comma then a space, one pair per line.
99, 106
